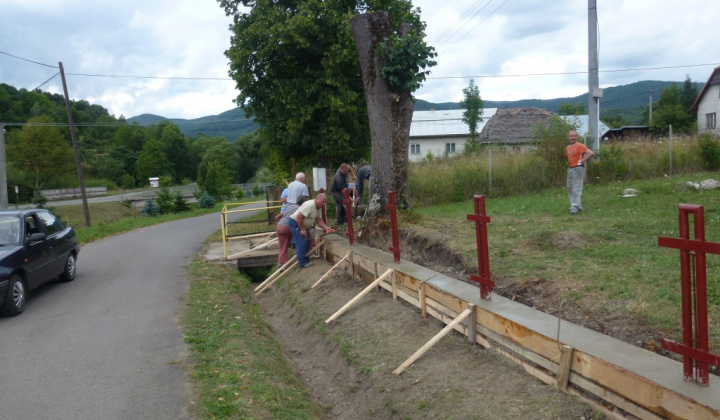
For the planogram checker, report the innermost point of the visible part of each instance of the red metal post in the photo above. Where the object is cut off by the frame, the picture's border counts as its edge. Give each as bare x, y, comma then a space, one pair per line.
481, 221
693, 277
395, 248
346, 202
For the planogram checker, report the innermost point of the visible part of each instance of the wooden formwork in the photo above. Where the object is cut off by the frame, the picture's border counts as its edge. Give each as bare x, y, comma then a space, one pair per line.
604, 371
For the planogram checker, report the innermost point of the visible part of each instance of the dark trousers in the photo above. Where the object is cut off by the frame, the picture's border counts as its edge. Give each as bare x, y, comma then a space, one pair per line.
302, 245
341, 213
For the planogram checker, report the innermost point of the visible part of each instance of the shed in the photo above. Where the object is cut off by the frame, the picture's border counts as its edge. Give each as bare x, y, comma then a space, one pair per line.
154, 182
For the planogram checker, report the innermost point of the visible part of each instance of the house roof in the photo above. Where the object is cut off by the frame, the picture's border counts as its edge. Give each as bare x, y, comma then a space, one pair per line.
713, 79
444, 123
513, 125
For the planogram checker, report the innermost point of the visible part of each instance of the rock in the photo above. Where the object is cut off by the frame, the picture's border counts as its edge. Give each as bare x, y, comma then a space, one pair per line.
630, 192
693, 185
709, 184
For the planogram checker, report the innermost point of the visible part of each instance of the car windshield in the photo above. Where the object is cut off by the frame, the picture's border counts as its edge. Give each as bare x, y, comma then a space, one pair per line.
9, 230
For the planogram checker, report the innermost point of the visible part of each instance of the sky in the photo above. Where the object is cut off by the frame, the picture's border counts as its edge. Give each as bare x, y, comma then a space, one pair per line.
166, 57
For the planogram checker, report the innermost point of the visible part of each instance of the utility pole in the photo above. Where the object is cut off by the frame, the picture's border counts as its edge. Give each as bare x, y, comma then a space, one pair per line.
650, 113
3, 170
594, 91
75, 146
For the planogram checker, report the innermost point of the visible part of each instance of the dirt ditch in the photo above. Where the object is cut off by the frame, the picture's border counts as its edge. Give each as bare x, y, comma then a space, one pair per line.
348, 363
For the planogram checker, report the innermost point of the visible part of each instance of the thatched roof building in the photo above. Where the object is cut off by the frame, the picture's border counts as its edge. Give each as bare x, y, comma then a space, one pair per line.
514, 126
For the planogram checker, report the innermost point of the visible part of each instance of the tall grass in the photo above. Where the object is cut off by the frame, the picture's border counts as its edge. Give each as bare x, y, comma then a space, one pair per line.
454, 179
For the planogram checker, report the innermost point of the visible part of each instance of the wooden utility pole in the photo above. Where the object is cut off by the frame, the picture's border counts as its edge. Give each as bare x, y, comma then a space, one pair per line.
3, 170
75, 147
594, 91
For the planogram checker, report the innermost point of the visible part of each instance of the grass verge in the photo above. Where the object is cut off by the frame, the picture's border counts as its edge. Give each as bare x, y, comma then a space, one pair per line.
240, 370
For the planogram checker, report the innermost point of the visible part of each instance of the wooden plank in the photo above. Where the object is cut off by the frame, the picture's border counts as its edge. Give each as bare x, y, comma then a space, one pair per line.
259, 259
394, 288
275, 274
267, 286
358, 297
564, 368
423, 302
257, 248
331, 270
432, 342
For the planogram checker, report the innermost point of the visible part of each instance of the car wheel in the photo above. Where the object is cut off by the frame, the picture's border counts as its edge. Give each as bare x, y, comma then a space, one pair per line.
15, 296
69, 272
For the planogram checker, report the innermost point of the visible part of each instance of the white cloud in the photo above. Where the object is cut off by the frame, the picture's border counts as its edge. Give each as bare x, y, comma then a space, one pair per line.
188, 38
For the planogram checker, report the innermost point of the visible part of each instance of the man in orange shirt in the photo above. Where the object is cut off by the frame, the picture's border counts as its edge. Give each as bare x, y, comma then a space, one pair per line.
577, 154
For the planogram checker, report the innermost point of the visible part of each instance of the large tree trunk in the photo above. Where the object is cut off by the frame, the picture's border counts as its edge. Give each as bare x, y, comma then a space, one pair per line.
389, 114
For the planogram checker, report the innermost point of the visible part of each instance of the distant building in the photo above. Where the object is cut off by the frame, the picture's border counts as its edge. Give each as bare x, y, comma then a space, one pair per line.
625, 133
707, 104
154, 182
513, 128
437, 132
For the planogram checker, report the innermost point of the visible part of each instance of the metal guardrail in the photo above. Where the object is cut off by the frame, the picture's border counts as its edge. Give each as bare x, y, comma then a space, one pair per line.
226, 211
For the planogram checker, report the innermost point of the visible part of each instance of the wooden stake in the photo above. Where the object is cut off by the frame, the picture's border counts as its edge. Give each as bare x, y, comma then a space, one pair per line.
331, 270
282, 269
277, 278
472, 324
276, 273
423, 302
564, 367
272, 241
394, 288
359, 296
432, 341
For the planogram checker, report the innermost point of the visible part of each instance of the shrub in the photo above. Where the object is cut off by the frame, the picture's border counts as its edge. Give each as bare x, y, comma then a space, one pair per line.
179, 204
257, 190
709, 151
240, 193
150, 208
165, 200
206, 201
127, 181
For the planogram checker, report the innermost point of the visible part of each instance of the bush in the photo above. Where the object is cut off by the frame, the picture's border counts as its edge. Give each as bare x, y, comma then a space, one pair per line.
127, 181
150, 208
257, 190
709, 151
240, 193
180, 205
165, 200
206, 201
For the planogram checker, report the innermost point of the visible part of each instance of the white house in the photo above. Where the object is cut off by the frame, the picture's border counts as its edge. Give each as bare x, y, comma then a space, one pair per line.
439, 131
707, 104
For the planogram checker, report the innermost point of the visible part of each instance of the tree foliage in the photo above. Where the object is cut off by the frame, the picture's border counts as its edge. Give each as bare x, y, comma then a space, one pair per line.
472, 116
295, 65
673, 108
405, 58
567, 108
40, 150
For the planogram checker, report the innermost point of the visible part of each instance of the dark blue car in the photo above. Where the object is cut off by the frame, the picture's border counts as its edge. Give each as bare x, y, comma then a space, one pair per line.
35, 247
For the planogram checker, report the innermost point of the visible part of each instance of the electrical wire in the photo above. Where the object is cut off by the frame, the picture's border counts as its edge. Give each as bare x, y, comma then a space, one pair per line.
29, 61
54, 76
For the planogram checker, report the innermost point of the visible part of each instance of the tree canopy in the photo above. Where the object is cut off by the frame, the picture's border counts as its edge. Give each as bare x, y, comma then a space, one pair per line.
296, 68
673, 108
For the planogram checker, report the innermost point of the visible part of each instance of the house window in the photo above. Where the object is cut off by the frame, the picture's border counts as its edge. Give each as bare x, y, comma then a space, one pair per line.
710, 121
414, 149
450, 148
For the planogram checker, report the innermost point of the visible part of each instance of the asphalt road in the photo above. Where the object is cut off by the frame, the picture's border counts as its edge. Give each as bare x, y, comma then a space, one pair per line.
107, 345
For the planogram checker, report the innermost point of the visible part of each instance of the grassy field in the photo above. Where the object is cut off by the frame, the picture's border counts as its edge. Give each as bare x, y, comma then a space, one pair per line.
606, 259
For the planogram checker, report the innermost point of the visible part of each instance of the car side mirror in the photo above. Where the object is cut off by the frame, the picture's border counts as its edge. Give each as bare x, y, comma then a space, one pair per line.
35, 237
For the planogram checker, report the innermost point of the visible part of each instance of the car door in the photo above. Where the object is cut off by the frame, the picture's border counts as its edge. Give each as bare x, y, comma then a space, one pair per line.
39, 254
58, 241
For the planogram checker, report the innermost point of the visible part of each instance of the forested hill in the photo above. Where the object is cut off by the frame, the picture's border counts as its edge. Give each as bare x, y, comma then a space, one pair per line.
628, 100
230, 124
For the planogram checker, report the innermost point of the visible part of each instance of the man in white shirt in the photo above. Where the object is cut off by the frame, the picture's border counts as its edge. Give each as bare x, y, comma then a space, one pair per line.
297, 189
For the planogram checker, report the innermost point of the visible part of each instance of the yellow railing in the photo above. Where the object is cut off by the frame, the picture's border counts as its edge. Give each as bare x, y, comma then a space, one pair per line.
227, 211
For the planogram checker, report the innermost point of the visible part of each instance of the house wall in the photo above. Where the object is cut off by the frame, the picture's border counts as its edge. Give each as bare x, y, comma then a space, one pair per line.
436, 145
710, 103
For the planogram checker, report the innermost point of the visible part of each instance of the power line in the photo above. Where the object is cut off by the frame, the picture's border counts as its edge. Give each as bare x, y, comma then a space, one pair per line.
29, 61
55, 75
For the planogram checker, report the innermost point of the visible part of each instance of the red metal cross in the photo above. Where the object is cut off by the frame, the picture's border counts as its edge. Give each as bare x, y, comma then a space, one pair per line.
481, 221
694, 348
